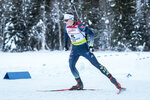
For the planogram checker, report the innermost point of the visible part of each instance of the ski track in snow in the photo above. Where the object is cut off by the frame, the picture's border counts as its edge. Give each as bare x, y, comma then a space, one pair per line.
50, 70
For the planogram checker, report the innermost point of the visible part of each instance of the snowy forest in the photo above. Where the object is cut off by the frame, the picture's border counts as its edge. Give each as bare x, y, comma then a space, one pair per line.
33, 25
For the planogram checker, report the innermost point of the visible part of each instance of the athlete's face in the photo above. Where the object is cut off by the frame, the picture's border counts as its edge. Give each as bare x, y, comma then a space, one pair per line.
68, 22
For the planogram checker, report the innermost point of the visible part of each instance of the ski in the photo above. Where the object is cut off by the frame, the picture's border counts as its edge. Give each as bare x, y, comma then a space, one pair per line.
66, 90
121, 90
59, 90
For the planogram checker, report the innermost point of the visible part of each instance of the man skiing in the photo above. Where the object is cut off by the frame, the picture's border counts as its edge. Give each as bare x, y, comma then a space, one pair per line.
77, 32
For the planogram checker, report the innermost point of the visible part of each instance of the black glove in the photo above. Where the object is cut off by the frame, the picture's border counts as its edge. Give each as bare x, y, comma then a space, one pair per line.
66, 48
91, 49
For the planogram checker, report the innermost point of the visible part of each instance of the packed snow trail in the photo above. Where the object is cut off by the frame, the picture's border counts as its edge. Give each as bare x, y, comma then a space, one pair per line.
50, 70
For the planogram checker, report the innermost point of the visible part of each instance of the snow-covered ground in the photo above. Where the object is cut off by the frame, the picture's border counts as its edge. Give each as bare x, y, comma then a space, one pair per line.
50, 70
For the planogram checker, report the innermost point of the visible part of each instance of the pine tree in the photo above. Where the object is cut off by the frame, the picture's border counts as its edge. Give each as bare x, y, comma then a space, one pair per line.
34, 24
1, 24
15, 36
123, 25
145, 25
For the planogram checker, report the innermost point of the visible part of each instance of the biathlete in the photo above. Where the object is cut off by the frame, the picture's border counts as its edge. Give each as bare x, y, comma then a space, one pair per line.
76, 32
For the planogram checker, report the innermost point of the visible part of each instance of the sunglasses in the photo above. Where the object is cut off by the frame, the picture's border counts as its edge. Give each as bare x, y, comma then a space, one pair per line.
66, 20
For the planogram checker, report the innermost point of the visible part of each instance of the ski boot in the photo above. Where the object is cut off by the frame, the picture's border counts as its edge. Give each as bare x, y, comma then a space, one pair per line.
114, 81
117, 84
79, 85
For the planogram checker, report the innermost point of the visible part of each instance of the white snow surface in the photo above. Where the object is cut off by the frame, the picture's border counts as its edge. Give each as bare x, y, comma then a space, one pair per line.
50, 70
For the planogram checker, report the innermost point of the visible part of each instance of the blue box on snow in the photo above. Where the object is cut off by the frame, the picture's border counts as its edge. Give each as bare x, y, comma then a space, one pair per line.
17, 75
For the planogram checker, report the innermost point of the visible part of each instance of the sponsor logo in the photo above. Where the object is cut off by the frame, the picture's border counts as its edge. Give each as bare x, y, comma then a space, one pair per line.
82, 26
71, 30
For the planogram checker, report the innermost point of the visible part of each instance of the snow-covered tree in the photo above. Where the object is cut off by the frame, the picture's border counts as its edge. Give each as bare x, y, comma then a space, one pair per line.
15, 36
55, 23
1, 24
123, 24
105, 24
38, 24
143, 11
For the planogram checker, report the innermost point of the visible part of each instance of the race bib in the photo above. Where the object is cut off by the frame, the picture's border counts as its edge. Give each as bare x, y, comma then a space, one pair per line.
75, 34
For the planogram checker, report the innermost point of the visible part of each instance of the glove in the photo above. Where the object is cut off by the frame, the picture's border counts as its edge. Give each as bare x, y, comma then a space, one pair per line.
91, 49
66, 48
